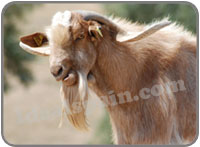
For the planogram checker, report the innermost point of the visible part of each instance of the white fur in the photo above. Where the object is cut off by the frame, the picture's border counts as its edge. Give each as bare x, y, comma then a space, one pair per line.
70, 95
61, 18
83, 87
74, 103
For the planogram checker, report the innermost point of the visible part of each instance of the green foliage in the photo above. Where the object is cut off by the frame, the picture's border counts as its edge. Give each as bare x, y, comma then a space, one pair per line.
14, 57
144, 13
103, 133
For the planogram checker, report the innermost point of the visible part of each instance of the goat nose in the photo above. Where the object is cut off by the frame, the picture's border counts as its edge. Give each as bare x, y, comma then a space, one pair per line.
56, 70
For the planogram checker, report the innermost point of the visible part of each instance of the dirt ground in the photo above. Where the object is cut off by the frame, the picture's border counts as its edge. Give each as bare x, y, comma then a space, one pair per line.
32, 114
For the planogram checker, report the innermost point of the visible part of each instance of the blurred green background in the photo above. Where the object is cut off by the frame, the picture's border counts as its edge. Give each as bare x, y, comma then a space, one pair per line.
15, 59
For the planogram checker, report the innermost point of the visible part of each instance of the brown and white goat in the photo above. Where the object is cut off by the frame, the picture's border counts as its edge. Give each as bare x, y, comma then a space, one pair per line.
145, 75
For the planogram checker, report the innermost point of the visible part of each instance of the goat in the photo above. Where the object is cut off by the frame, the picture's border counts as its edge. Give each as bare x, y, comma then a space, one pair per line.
144, 74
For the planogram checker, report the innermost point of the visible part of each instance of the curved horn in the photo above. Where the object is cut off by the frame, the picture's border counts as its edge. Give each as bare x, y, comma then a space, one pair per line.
90, 15
145, 33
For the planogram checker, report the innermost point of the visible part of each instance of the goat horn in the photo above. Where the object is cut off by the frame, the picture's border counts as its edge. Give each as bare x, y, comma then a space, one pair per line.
90, 15
147, 32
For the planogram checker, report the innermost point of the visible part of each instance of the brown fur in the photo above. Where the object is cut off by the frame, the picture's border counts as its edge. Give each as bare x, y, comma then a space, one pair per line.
165, 56
156, 59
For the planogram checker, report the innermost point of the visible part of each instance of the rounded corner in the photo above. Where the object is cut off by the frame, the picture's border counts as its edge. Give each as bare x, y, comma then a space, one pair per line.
195, 139
4, 139
6, 6
193, 6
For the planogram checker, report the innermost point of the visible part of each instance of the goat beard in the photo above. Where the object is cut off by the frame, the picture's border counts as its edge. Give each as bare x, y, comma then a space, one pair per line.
74, 100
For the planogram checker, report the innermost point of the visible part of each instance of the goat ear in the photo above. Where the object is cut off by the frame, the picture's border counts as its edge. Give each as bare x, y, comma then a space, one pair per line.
36, 44
129, 37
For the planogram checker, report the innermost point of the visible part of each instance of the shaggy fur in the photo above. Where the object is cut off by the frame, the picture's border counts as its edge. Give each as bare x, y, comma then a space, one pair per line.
113, 67
74, 101
168, 55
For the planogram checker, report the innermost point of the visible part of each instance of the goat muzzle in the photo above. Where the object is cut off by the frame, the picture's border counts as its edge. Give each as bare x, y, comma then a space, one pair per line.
71, 78
64, 74
56, 71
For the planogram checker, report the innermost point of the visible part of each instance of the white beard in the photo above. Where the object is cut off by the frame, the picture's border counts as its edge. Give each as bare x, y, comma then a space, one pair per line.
74, 101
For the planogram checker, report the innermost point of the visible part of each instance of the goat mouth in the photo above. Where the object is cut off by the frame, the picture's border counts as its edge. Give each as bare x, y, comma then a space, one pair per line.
90, 77
70, 78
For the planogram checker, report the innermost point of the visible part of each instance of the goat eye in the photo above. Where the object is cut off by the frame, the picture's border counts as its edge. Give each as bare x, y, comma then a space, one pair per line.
81, 36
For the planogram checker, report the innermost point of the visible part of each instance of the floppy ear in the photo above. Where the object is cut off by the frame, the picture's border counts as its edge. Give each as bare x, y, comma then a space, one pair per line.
36, 44
130, 38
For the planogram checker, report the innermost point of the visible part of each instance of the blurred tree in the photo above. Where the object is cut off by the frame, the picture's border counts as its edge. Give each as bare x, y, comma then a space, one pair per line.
14, 57
145, 13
